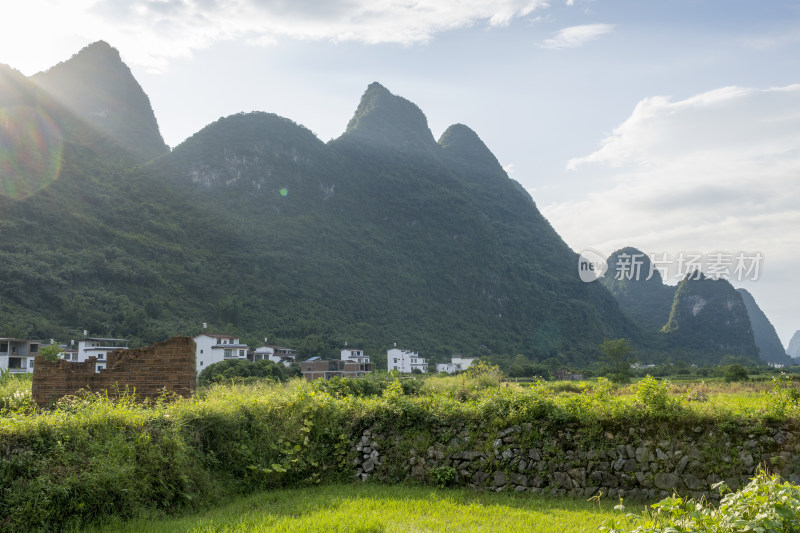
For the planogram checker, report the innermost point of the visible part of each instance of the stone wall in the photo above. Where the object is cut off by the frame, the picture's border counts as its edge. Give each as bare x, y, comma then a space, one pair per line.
166, 365
632, 463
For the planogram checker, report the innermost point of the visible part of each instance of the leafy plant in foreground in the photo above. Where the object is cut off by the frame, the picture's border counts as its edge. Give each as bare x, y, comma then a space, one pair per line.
766, 504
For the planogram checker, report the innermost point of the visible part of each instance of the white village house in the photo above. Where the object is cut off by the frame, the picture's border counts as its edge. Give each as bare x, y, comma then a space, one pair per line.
458, 363
213, 348
405, 361
276, 354
17, 355
98, 347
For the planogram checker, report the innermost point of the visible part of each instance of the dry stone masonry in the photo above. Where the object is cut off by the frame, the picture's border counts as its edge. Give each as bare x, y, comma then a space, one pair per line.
634, 463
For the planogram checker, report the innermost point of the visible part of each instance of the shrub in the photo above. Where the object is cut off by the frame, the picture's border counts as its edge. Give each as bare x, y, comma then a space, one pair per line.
766, 504
735, 372
785, 396
238, 369
654, 395
442, 476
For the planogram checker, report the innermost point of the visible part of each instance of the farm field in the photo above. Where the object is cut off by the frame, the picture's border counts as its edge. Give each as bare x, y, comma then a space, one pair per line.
377, 508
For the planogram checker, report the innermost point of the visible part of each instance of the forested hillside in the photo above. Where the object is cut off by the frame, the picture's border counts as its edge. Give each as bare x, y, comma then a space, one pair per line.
254, 225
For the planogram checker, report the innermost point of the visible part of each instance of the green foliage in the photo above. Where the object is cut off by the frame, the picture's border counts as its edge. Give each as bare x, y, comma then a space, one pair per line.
370, 385
442, 476
784, 396
766, 504
521, 367
238, 369
654, 395
484, 372
90, 458
618, 357
15, 393
735, 373
50, 352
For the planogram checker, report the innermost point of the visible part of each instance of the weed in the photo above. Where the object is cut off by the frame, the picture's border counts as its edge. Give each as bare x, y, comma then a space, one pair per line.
442, 476
767, 503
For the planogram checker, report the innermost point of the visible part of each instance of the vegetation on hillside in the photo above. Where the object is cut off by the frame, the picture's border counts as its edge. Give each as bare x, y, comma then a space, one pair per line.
257, 227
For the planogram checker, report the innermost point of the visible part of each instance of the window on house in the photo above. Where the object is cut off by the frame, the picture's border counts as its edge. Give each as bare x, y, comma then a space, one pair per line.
395, 361
3, 347
201, 363
219, 341
30, 364
227, 352
201, 351
34, 348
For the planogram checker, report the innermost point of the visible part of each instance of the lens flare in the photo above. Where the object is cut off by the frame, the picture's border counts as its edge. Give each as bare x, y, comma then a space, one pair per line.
31, 147
284, 191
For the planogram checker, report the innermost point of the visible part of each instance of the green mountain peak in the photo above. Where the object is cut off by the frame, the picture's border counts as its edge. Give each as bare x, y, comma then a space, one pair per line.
99, 88
710, 315
385, 120
463, 144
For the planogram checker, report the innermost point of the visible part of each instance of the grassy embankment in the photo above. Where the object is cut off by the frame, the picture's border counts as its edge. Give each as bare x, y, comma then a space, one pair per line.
90, 460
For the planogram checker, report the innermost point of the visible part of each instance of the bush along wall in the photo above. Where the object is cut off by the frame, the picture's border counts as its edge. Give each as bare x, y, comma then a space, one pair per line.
647, 463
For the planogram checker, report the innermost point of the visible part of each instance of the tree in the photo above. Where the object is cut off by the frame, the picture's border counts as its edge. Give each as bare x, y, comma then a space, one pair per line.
50, 352
618, 357
735, 372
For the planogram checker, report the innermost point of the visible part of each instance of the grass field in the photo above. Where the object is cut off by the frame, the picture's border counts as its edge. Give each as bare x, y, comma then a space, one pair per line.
378, 508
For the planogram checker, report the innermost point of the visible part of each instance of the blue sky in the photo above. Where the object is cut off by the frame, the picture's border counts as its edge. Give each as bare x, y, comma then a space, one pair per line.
670, 126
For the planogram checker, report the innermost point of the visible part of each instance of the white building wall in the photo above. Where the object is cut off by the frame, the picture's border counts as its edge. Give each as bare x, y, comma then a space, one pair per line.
457, 363
100, 348
405, 361
450, 368
356, 356
213, 349
18, 355
462, 363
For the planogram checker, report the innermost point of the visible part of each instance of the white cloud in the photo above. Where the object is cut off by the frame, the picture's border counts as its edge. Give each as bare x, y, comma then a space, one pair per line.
152, 32
714, 172
575, 36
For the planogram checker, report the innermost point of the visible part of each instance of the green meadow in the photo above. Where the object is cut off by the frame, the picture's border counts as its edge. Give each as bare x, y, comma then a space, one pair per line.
377, 508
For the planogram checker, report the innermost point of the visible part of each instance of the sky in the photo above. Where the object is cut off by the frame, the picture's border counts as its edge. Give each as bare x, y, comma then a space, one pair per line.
673, 127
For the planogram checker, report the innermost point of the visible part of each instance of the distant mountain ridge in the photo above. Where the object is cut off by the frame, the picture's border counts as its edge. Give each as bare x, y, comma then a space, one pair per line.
709, 315
770, 349
395, 205
255, 225
383, 235
793, 350
702, 316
